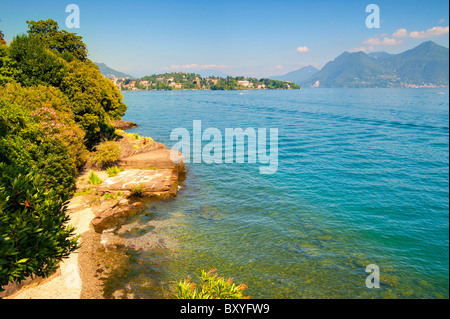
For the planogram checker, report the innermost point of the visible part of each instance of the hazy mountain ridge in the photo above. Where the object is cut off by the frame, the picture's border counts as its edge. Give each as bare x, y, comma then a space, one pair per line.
106, 71
297, 76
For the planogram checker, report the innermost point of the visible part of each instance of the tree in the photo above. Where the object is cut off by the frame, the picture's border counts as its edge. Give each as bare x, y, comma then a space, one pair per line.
8, 68
37, 64
69, 45
2, 40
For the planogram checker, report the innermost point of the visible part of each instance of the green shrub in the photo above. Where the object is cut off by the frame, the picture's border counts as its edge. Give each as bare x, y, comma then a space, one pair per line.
107, 153
37, 134
138, 190
212, 287
94, 179
113, 171
34, 237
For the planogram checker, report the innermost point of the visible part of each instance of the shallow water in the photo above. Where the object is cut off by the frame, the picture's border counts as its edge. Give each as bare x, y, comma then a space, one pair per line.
362, 179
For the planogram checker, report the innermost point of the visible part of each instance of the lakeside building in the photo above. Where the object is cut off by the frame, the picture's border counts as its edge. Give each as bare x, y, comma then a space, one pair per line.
244, 83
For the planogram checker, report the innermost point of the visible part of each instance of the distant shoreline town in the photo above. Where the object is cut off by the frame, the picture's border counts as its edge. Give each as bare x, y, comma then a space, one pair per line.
192, 81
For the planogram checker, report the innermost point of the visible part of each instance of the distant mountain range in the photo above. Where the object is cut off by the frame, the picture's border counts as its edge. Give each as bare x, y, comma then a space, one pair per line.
106, 71
424, 65
297, 76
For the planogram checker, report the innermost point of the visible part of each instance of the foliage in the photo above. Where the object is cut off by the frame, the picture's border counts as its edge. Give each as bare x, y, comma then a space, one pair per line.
33, 235
96, 100
94, 179
51, 110
138, 190
37, 64
8, 69
82, 192
47, 56
2, 40
54, 106
212, 287
107, 154
37, 133
113, 171
195, 81
69, 45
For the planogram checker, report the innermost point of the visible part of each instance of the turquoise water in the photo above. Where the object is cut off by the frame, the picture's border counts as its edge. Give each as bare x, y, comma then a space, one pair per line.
363, 178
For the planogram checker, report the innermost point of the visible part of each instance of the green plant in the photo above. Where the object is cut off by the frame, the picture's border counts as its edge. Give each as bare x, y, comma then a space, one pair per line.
212, 287
114, 170
86, 191
94, 179
34, 236
119, 132
138, 190
107, 153
108, 196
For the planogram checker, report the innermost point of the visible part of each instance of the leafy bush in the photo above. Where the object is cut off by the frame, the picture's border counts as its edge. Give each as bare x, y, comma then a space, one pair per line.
53, 57
94, 179
212, 287
33, 235
54, 106
107, 153
35, 136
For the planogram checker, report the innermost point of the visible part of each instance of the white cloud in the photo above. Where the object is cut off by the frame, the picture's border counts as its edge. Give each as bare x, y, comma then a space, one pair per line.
363, 49
302, 49
441, 21
430, 33
279, 67
377, 41
400, 33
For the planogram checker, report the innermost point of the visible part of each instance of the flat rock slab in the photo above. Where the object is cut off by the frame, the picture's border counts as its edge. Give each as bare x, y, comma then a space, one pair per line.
160, 158
152, 182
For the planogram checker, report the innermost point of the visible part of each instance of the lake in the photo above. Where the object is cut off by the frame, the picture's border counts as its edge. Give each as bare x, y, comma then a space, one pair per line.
362, 178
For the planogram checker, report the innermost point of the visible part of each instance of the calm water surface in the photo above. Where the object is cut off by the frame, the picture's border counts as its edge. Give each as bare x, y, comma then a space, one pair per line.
363, 178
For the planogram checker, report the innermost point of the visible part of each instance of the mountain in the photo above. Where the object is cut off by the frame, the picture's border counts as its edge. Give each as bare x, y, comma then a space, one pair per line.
426, 64
380, 55
348, 70
106, 71
297, 76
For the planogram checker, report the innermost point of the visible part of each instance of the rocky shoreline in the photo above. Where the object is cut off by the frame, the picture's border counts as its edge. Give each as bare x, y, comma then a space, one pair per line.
147, 171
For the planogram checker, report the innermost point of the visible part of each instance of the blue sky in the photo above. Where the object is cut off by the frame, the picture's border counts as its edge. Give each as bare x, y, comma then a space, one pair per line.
251, 38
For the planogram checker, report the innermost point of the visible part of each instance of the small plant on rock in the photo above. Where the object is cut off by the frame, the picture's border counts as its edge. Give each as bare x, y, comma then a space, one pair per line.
138, 190
212, 287
94, 179
113, 171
